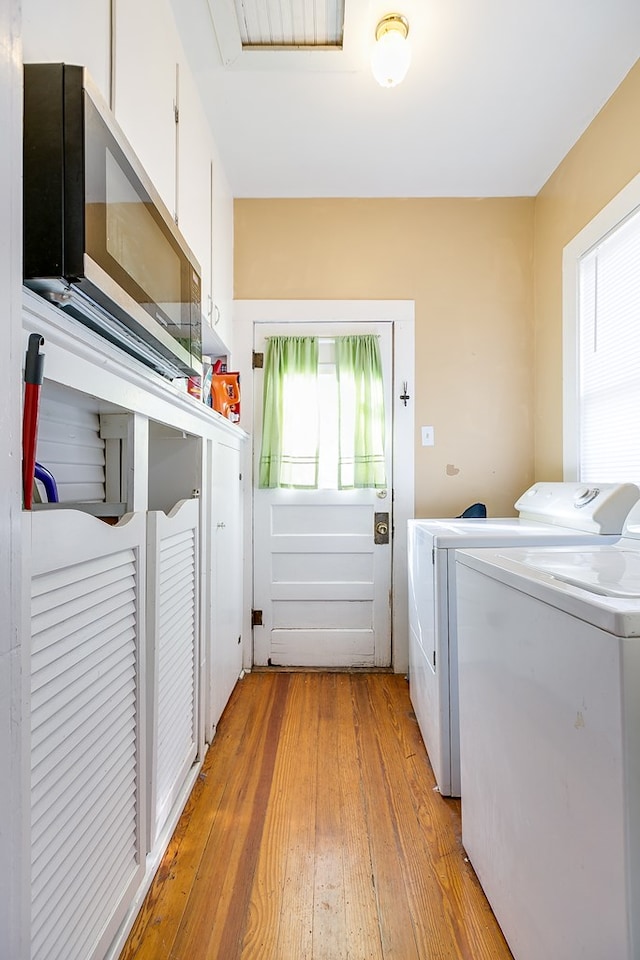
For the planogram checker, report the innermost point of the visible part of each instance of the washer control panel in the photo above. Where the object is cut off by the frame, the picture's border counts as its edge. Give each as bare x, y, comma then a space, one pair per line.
595, 508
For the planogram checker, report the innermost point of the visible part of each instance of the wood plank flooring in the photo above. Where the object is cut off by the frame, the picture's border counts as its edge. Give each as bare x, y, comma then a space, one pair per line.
314, 833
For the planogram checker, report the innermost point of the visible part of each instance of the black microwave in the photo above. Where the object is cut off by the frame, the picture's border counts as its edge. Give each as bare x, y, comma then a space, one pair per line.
98, 241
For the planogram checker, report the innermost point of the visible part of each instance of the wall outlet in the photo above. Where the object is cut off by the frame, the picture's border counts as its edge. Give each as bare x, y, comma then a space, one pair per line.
427, 437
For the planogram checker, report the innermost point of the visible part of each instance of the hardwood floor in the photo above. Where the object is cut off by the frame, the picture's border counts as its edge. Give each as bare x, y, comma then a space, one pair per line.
314, 833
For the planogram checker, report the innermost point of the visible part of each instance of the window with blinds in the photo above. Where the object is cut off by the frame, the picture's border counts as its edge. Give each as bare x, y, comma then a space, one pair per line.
608, 329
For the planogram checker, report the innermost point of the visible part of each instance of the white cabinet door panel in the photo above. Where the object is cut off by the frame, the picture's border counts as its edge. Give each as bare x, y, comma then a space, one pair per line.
194, 181
69, 31
173, 640
225, 654
87, 724
146, 54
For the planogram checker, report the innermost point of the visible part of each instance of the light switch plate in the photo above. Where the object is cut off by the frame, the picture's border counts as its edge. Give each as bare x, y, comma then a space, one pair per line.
427, 437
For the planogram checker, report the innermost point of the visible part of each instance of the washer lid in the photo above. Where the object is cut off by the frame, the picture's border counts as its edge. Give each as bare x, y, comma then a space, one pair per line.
597, 584
614, 573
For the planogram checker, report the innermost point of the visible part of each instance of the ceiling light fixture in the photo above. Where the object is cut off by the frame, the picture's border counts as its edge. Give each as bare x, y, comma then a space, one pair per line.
391, 54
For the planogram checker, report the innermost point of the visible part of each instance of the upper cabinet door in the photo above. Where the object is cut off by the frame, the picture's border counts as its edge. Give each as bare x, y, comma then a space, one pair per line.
69, 31
194, 180
145, 95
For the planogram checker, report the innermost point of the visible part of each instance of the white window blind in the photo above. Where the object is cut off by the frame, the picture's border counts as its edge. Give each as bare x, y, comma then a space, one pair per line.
609, 356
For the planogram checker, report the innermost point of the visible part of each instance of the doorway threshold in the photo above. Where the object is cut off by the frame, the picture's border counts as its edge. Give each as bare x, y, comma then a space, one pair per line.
276, 669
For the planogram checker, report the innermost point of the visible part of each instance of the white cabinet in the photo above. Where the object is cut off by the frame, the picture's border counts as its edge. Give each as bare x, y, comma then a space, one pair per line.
146, 58
225, 627
221, 255
131, 624
194, 182
205, 214
118, 723
70, 31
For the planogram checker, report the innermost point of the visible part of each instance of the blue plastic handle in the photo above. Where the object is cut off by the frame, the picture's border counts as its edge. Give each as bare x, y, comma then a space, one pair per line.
47, 479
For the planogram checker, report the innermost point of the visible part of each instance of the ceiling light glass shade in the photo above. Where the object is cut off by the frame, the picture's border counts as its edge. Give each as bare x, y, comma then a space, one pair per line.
391, 54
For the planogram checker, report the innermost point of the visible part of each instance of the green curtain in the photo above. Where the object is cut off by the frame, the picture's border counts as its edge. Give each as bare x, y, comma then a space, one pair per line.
361, 461
289, 454
290, 437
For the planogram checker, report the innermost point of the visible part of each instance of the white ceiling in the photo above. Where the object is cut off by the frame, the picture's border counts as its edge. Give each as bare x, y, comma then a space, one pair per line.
497, 93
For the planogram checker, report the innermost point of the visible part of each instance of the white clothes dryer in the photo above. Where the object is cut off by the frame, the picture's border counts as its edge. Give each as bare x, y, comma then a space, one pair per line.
548, 513
549, 672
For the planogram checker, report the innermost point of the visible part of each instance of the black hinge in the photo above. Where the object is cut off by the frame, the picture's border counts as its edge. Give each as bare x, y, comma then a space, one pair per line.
258, 360
256, 618
434, 659
433, 556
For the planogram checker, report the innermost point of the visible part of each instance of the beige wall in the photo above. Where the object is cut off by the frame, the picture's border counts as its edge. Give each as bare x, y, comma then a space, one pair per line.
600, 164
467, 264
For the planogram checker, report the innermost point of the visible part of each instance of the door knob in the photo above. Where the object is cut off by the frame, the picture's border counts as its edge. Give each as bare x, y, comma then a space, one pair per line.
381, 528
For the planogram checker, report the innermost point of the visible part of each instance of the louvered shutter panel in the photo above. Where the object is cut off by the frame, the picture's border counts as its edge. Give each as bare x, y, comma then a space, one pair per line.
173, 653
86, 804
70, 445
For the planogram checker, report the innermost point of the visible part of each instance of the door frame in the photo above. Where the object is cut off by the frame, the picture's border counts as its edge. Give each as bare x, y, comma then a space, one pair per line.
402, 314
375, 598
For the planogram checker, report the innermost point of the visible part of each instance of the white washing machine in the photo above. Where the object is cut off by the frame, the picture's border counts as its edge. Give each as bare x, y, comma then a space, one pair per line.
549, 661
549, 513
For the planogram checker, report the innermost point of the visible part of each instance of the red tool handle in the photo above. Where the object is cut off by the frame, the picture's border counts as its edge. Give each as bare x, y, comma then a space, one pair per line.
33, 376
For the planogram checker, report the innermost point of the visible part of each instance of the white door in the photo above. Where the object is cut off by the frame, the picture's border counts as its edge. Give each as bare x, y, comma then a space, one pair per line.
322, 586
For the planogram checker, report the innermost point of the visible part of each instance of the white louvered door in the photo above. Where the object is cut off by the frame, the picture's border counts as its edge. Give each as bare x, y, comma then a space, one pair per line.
173, 631
87, 729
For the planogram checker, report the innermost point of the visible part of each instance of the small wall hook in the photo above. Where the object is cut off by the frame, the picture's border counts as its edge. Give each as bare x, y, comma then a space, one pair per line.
404, 396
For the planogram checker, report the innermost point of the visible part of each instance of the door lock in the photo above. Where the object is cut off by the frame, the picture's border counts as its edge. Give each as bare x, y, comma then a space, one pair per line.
381, 528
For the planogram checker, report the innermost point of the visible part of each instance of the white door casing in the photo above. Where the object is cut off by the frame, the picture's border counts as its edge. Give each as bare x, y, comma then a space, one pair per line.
401, 314
322, 584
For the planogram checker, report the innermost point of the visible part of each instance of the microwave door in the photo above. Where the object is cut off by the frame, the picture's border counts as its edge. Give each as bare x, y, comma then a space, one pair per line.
119, 318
